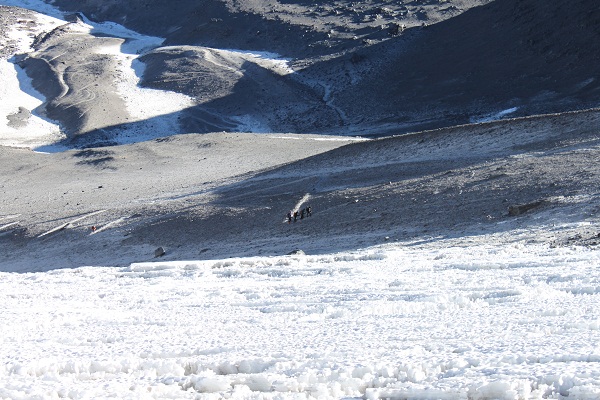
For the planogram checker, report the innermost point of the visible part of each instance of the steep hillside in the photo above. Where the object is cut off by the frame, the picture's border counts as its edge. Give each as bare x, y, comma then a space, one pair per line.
367, 68
527, 57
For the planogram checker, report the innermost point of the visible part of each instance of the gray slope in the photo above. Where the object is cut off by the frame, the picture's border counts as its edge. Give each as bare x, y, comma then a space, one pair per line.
454, 182
355, 73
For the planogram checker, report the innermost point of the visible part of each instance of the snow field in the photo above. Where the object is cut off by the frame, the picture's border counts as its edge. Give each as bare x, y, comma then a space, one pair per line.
418, 322
37, 131
36, 5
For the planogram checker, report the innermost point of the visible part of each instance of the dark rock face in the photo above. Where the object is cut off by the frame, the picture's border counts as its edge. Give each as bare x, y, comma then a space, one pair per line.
213, 23
20, 118
529, 56
296, 252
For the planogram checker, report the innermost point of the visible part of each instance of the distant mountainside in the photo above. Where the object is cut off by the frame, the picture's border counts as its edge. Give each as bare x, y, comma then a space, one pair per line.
352, 68
526, 56
292, 28
368, 68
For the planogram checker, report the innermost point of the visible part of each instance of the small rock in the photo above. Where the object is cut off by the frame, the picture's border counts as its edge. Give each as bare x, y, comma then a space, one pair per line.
159, 252
522, 208
296, 252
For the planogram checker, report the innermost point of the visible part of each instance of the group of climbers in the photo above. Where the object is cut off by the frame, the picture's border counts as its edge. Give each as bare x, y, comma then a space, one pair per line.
294, 215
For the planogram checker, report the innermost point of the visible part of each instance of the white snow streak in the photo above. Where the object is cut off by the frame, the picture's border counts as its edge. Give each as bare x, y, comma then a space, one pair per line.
70, 223
303, 200
494, 116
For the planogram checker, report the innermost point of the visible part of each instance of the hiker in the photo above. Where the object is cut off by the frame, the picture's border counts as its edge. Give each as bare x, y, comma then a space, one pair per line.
294, 214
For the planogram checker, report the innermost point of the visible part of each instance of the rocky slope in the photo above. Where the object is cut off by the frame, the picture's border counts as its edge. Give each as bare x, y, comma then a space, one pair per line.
369, 68
219, 195
216, 194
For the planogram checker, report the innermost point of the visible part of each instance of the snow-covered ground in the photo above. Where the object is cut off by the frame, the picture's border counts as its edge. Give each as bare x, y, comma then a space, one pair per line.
438, 320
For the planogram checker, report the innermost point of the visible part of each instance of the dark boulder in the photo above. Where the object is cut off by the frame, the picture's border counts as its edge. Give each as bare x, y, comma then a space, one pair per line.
519, 209
159, 252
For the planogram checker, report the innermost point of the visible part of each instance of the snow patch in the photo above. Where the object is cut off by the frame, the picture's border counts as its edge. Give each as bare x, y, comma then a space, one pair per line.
272, 61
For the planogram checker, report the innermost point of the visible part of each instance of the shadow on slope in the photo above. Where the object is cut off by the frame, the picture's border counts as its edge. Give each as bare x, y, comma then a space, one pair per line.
279, 102
532, 55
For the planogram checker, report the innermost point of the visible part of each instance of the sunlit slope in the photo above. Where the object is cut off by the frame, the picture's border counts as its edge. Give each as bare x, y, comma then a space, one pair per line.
221, 195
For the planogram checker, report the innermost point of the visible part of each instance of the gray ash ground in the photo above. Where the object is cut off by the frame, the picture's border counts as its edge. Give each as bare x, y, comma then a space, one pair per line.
217, 194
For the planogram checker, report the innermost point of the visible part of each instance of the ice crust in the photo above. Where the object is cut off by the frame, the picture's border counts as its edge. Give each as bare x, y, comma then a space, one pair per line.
398, 321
